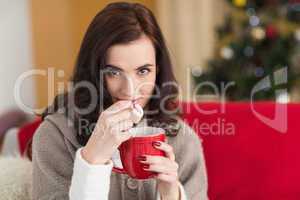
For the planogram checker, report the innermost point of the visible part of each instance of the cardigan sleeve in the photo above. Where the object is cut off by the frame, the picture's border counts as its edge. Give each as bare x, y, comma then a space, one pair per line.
192, 169
52, 163
90, 182
53, 169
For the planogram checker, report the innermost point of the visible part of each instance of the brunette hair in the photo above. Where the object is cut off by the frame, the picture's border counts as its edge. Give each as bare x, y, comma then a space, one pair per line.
120, 23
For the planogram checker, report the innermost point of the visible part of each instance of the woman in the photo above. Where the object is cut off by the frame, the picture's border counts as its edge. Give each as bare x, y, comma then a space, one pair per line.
123, 63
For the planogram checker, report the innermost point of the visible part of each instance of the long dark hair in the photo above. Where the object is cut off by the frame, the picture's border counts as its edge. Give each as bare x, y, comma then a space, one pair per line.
119, 23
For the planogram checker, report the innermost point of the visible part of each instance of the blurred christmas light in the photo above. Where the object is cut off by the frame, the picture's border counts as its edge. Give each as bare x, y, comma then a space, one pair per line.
197, 71
271, 32
250, 11
240, 3
227, 53
249, 51
258, 33
259, 72
254, 20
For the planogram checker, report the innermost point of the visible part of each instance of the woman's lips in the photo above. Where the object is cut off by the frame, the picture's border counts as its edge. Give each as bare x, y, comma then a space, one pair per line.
133, 100
137, 111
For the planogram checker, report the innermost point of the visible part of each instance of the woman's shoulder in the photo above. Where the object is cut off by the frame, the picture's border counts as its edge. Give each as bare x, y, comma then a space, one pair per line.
60, 121
186, 131
55, 127
186, 139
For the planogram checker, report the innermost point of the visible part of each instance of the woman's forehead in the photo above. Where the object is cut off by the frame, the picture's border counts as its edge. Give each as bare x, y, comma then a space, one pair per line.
134, 54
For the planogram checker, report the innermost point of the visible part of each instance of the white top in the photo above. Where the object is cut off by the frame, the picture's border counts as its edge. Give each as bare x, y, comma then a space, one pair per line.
85, 184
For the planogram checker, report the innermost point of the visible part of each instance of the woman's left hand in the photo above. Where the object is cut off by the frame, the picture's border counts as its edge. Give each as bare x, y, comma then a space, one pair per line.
166, 169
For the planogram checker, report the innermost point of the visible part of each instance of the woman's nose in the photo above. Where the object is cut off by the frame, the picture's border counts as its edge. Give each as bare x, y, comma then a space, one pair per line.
128, 87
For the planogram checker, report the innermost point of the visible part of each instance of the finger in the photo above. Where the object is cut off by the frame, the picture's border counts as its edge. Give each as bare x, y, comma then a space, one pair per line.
168, 149
155, 159
118, 106
122, 126
122, 136
160, 160
119, 116
167, 177
160, 169
125, 136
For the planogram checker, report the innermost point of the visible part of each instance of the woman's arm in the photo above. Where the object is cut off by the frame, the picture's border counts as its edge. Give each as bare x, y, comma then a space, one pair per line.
52, 163
90, 182
56, 176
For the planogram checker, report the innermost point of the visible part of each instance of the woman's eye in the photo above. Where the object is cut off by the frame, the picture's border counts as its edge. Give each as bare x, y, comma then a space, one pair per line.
144, 71
113, 73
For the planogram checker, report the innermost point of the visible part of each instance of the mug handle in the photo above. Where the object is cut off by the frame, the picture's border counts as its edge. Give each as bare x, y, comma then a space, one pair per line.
119, 170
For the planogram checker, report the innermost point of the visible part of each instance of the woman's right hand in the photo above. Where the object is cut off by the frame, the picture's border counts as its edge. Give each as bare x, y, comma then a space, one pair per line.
110, 131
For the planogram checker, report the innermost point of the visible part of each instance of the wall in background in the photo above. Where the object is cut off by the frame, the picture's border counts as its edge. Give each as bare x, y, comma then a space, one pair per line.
53, 46
189, 28
15, 52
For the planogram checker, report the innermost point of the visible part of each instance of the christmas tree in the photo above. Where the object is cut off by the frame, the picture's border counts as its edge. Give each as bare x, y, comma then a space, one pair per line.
257, 38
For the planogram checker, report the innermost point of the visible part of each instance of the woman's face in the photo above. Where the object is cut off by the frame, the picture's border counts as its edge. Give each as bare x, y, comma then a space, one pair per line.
131, 71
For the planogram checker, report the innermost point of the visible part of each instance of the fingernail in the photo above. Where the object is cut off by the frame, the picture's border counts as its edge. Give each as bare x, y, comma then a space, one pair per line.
134, 104
156, 144
146, 166
142, 158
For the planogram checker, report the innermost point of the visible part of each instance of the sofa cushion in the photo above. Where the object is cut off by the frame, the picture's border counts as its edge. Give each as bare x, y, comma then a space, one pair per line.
15, 181
246, 158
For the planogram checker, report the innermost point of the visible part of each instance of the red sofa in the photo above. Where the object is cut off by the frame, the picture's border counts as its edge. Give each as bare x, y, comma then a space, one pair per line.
246, 159
254, 161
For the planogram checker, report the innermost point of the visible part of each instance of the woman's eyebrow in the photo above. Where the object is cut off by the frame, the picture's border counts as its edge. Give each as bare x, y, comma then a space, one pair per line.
114, 67
145, 65
120, 69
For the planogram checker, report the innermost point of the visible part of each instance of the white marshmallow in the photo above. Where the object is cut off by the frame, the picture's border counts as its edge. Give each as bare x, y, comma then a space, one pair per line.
137, 113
